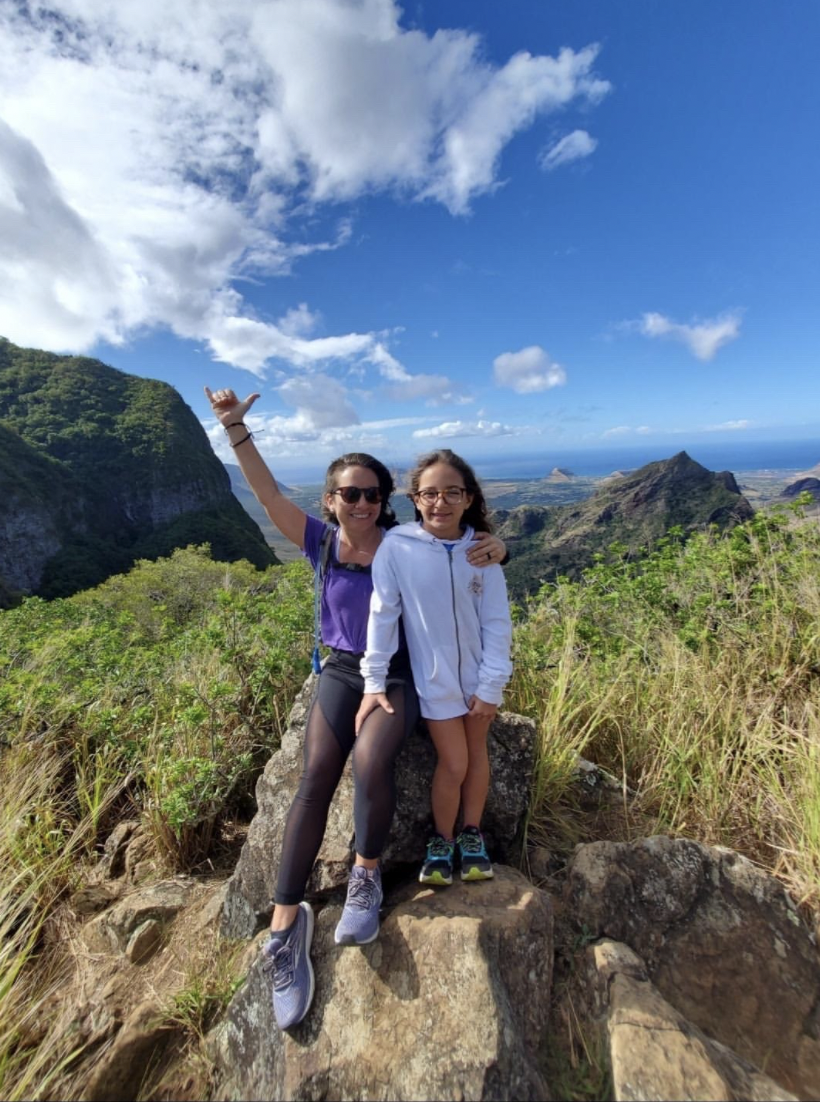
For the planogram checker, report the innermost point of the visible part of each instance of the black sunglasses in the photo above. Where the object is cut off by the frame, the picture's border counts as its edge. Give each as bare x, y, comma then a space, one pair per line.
351, 494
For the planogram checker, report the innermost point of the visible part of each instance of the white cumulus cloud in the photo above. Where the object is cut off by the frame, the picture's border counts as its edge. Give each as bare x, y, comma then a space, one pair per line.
528, 371
702, 338
450, 429
155, 155
572, 147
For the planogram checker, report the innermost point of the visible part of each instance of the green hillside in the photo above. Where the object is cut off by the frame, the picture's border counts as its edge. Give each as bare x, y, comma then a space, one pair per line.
110, 468
630, 512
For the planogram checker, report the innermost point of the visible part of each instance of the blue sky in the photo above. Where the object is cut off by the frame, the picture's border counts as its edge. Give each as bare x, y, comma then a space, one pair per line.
520, 228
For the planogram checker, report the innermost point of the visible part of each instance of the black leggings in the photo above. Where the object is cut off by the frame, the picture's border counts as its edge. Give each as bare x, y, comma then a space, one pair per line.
329, 739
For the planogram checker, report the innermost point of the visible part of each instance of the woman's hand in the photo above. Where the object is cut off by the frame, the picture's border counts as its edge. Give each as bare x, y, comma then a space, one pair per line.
227, 406
480, 709
371, 701
486, 549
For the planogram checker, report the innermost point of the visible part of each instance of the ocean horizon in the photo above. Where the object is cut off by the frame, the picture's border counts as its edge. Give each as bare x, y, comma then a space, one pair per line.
768, 455
781, 455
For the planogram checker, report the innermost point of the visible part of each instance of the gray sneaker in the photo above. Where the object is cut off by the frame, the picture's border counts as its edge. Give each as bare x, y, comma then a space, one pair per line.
287, 964
359, 924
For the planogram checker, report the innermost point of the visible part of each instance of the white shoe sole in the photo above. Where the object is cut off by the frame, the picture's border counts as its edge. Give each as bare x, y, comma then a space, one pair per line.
350, 940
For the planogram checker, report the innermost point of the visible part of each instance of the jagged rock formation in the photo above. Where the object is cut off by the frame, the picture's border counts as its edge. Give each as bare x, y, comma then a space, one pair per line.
803, 486
633, 510
247, 903
452, 1001
717, 940
99, 468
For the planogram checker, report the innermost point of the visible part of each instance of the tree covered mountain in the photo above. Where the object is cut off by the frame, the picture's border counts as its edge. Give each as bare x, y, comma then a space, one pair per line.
633, 510
98, 469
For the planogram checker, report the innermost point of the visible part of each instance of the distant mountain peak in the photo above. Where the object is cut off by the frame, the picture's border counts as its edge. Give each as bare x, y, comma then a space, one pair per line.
635, 510
560, 474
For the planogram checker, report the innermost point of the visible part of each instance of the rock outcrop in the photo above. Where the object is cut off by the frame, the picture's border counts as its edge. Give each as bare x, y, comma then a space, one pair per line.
721, 943
697, 972
451, 1002
247, 905
654, 1052
802, 486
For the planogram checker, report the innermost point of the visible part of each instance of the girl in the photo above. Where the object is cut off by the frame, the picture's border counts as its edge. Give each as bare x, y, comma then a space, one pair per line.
458, 629
357, 511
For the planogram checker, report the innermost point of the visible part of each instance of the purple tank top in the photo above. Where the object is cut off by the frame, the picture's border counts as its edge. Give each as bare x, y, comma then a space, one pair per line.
345, 593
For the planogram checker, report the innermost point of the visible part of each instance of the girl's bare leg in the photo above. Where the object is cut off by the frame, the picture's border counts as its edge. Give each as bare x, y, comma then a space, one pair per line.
476, 782
450, 741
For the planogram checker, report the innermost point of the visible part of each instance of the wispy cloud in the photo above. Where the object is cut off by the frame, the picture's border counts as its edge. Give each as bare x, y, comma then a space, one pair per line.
627, 430
528, 371
702, 338
730, 426
451, 429
572, 147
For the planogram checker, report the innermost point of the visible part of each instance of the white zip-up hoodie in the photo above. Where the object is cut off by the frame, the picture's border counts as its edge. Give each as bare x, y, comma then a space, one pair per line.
456, 619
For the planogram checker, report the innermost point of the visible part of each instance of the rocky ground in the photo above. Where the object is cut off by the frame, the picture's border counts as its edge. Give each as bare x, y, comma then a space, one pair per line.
657, 968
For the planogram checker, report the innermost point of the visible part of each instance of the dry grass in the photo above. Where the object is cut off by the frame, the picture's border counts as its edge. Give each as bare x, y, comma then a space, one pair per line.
707, 709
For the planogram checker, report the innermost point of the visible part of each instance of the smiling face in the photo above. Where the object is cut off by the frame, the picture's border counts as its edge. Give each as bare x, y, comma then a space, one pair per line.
359, 516
440, 516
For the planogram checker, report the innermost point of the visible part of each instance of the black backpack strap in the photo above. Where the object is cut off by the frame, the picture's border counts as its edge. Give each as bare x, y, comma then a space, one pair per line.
325, 547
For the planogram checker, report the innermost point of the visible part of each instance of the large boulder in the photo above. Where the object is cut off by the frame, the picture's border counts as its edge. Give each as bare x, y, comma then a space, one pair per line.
247, 903
451, 1002
721, 941
654, 1052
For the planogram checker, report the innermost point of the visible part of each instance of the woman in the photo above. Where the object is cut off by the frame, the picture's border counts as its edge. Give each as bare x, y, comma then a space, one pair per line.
356, 504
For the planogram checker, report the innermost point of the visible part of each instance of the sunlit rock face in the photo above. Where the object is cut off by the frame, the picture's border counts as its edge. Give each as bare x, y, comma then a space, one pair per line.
451, 1001
99, 468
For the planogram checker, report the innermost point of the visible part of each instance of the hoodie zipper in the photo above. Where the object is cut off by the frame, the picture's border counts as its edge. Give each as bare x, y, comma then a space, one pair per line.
449, 551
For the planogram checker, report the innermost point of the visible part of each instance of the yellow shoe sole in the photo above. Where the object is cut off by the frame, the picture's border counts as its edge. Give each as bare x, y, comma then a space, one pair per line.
477, 874
435, 878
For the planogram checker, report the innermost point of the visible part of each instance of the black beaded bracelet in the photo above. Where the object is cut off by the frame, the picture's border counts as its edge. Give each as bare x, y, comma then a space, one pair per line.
242, 441
235, 425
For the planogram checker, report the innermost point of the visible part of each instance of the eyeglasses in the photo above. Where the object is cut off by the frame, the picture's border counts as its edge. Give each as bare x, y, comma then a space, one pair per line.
351, 494
452, 495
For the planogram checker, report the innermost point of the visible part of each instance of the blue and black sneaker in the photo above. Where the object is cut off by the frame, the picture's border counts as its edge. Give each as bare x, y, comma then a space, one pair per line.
438, 864
287, 964
475, 864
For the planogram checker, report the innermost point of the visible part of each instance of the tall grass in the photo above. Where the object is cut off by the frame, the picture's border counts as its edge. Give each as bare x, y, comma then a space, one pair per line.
693, 676
159, 694
42, 845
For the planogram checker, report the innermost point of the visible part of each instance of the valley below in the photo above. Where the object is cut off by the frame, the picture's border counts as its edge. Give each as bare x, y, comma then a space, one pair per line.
759, 487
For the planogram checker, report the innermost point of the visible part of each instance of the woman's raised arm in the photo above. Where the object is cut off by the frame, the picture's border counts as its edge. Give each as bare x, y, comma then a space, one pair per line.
288, 517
